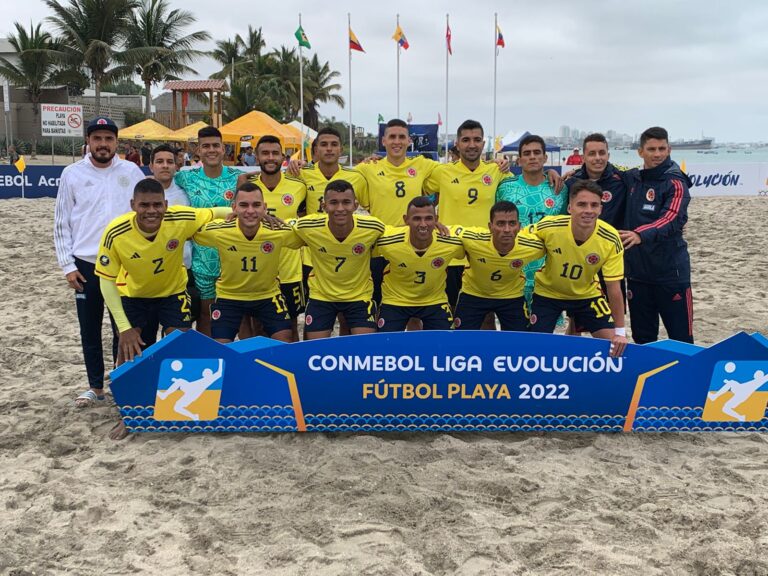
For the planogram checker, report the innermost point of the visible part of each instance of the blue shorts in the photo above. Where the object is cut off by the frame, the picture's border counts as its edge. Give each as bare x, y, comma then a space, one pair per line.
151, 313
453, 282
472, 310
592, 314
321, 315
226, 316
293, 294
434, 317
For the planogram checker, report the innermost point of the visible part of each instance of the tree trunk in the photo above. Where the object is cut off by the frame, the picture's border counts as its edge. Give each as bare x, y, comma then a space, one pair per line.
97, 99
147, 99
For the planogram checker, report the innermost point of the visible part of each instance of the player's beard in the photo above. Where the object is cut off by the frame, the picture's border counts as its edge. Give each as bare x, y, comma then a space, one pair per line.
101, 160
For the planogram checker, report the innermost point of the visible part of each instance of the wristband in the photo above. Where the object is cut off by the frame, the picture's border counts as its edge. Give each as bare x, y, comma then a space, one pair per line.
620, 331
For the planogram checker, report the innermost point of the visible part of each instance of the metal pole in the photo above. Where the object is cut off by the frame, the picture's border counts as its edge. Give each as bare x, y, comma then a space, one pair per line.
349, 49
398, 70
301, 95
53, 160
495, 58
447, 27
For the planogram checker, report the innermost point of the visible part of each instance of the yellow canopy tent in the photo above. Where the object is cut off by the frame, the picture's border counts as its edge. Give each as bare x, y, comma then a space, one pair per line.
146, 130
188, 133
254, 125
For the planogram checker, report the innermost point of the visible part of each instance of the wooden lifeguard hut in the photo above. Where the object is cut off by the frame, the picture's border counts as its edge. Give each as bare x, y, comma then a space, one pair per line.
215, 89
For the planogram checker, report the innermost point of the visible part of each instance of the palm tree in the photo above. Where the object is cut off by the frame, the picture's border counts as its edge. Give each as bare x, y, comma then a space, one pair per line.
318, 88
283, 65
91, 31
36, 68
227, 53
252, 44
156, 46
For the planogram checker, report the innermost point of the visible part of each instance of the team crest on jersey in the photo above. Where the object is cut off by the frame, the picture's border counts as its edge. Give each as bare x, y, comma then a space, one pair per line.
123, 181
380, 323
592, 258
104, 260
438, 262
229, 195
607, 196
412, 172
267, 247
358, 248
216, 314
487, 180
308, 319
549, 203
172, 245
650, 195
287, 199
517, 263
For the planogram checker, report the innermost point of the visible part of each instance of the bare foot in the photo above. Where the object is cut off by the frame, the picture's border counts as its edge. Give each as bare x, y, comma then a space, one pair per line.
119, 431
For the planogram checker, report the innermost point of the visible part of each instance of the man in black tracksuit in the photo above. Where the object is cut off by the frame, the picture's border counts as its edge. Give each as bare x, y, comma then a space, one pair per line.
657, 265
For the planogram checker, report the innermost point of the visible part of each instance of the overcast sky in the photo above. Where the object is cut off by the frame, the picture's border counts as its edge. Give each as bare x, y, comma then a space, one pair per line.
691, 66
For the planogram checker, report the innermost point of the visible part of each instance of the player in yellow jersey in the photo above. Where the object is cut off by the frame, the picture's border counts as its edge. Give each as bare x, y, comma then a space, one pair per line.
140, 265
286, 198
578, 247
494, 281
414, 281
341, 243
250, 255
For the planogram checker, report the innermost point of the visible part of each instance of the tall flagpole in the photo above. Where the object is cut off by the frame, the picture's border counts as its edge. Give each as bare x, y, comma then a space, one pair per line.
349, 49
445, 121
301, 95
398, 70
495, 58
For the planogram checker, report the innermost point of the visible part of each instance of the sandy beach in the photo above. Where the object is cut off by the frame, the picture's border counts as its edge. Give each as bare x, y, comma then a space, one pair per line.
74, 502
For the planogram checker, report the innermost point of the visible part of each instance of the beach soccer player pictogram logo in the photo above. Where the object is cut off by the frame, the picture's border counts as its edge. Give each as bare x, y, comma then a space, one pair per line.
738, 392
189, 389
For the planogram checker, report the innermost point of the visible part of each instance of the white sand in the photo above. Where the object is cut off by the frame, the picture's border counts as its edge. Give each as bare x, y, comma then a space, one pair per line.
75, 502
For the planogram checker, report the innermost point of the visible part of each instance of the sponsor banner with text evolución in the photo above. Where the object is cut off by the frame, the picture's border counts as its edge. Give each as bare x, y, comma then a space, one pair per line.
448, 381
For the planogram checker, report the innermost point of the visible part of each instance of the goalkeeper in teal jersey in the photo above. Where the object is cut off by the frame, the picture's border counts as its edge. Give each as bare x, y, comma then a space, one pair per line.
533, 195
210, 186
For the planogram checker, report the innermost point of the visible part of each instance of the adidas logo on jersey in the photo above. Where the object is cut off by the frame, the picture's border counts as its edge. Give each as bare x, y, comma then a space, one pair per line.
323, 250
311, 188
481, 260
232, 249
557, 251
402, 265
455, 181
380, 173
135, 255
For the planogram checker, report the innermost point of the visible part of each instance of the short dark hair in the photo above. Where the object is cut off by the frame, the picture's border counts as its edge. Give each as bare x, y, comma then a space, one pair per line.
330, 130
469, 125
532, 139
148, 186
209, 132
396, 122
419, 202
653, 133
581, 185
248, 187
595, 137
503, 206
268, 139
161, 148
339, 186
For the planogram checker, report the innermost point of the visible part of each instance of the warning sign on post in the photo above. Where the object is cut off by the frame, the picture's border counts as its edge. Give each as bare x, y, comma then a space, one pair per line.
65, 120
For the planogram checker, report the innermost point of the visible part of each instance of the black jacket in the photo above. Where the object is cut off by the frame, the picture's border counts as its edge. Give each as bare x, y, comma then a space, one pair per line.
614, 193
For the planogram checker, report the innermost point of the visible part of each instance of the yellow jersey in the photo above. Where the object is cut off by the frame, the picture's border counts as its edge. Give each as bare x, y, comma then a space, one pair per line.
249, 268
342, 270
491, 274
570, 272
391, 187
150, 268
284, 201
465, 196
413, 279
316, 183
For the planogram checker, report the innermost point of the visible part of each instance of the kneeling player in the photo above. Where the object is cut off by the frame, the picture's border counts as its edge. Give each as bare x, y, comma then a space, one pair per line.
140, 266
340, 242
250, 256
494, 282
414, 280
578, 247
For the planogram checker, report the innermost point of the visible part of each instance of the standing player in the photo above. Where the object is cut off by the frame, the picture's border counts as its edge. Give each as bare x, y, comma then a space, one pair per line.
250, 257
533, 195
414, 281
494, 281
91, 193
341, 243
286, 198
658, 265
578, 247
208, 186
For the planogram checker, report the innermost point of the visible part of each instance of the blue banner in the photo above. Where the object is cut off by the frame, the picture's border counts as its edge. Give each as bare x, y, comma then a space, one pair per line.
423, 137
36, 182
443, 381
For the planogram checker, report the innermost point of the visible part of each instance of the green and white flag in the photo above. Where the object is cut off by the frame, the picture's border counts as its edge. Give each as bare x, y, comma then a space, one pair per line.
302, 37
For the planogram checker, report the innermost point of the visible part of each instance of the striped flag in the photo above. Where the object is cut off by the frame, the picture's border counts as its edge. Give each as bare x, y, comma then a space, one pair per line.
439, 120
354, 43
399, 37
499, 38
448, 38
